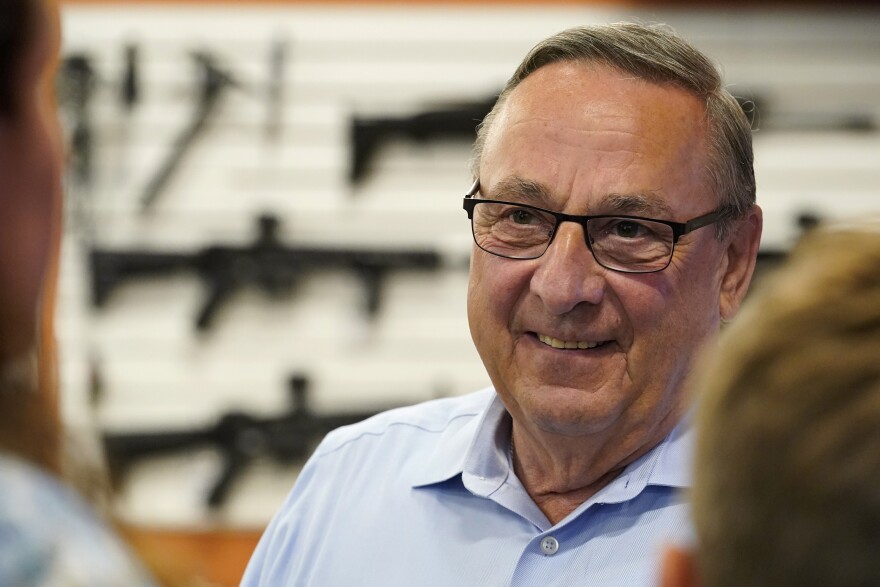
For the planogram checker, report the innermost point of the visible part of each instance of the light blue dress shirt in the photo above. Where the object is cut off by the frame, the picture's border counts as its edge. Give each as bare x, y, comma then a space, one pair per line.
426, 495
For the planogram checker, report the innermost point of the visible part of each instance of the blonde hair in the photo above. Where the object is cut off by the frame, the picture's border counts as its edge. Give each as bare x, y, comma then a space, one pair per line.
787, 488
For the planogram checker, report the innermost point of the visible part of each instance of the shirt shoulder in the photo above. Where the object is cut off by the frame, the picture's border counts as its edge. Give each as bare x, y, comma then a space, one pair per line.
426, 419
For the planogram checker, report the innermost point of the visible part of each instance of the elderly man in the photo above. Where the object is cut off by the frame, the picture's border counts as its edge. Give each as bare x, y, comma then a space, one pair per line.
615, 229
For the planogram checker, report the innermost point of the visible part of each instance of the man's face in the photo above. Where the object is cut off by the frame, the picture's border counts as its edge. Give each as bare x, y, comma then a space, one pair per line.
579, 137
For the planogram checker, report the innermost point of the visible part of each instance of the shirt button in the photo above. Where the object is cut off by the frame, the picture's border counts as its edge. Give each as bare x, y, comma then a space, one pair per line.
549, 545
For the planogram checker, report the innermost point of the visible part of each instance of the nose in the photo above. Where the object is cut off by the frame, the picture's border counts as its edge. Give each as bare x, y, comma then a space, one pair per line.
567, 273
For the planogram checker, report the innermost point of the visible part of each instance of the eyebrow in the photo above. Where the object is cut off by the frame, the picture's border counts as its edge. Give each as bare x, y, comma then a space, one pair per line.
530, 192
637, 203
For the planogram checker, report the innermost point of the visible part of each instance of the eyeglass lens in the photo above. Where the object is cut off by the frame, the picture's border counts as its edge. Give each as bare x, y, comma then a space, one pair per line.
522, 232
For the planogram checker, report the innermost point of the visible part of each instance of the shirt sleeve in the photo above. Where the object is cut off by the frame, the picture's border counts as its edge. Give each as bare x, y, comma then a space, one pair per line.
274, 561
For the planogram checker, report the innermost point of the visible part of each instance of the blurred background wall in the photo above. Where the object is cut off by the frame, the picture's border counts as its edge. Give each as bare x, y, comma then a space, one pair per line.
344, 128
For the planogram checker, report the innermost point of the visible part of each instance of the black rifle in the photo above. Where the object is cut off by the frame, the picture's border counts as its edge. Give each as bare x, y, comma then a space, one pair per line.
266, 263
214, 82
369, 134
77, 82
459, 121
239, 436
130, 87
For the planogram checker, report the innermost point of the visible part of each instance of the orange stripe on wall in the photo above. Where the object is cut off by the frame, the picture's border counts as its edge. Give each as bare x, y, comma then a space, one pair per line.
695, 4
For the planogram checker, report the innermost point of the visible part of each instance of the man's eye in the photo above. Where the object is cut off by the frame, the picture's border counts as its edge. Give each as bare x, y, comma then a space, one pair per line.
522, 216
628, 229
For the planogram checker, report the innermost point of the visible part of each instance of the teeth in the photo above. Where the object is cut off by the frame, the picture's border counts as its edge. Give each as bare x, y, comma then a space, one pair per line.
566, 344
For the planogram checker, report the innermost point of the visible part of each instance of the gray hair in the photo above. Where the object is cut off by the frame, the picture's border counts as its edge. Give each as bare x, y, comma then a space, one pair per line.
654, 53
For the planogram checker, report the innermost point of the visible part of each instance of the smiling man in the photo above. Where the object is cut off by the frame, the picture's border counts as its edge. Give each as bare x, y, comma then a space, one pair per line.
615, 228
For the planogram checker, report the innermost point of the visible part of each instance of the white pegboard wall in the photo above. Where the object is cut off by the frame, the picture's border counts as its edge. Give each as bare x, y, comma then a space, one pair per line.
358, 60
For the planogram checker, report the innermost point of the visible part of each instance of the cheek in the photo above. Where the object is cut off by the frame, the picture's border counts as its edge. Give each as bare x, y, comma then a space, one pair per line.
494, 290
24, 252
30, 208
41, 197
663, 313
700, 300
642, 297
677, 312
25, 257
479, 297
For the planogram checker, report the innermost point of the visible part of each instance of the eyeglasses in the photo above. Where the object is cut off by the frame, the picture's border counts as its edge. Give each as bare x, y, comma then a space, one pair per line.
629, 244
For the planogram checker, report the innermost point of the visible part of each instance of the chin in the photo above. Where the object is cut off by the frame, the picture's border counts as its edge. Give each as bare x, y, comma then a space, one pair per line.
571, 411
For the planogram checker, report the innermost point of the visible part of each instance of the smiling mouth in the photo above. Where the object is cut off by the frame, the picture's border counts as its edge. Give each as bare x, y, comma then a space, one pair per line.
569, 344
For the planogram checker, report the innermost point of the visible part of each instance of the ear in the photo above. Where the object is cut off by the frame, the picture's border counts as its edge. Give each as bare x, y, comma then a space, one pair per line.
741, 254
678, 569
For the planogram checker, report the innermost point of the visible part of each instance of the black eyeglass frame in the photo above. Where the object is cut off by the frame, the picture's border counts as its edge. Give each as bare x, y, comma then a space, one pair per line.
679, 229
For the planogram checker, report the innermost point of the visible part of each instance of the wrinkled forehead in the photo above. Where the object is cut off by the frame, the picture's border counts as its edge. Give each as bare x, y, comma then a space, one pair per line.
588, 96
591, 125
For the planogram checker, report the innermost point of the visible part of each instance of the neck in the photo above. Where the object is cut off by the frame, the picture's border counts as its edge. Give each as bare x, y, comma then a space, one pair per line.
561, 473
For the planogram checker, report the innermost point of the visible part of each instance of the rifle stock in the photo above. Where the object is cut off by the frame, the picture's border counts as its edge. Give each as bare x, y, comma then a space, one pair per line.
110, 268
367, 135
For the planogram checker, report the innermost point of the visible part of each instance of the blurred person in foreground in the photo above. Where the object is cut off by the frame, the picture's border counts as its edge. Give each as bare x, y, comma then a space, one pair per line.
615, 227
48, 534
788, 429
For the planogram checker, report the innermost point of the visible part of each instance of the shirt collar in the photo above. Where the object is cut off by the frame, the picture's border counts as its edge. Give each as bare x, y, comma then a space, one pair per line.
480, 440
666, 465
672, 467
478, 452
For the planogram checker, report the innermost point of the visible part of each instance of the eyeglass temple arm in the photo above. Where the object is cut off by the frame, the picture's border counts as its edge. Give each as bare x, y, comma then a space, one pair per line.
474, 189
702, 221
